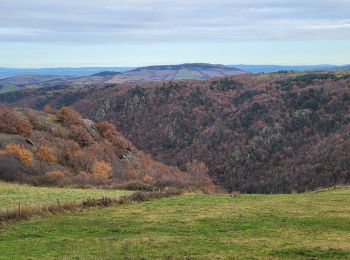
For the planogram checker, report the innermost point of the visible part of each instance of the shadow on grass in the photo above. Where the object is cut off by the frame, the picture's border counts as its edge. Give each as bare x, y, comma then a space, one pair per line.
315, 253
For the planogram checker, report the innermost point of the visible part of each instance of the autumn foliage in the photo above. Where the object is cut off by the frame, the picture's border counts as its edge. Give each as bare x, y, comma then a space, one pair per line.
107, 129
12, 123
69, 116
255, 133
101, 171
21, 153
67, 150
45, 154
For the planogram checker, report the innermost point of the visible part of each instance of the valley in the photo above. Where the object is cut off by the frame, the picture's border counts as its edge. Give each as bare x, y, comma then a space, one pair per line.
256, 133
175, 130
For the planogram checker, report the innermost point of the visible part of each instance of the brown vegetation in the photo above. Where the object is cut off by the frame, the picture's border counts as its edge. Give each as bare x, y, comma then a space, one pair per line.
278, 132
64, 149
21, 153
12, 123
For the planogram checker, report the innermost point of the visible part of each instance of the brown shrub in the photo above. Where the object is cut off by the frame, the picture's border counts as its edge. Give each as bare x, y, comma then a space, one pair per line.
57, 178
45, 154
83, 179
198, 176
12, 123
21, 153
80, 135
69, 116
48, 109
101, 171
106, 129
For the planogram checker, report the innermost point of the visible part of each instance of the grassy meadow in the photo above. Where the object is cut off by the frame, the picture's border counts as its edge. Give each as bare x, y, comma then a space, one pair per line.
192, 226
11, 194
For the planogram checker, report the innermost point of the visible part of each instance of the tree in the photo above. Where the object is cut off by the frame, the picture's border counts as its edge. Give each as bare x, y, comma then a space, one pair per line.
45, 154
106, 129
12, 123
101, 171
21, 153
69, 116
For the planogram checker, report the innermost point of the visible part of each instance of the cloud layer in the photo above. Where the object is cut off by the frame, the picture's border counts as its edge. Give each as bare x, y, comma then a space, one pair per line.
130, 21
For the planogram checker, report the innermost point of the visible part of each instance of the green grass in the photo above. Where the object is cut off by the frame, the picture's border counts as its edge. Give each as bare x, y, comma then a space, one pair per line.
304, 226
187, 74
11, 194
8, 88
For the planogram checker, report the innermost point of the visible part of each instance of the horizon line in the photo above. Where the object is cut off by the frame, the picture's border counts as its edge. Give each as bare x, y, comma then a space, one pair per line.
171, 64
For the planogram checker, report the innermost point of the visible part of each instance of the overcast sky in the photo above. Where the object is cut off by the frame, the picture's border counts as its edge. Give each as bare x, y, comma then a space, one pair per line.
50, 33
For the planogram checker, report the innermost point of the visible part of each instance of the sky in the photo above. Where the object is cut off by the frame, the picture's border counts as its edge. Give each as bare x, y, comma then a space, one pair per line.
122, 33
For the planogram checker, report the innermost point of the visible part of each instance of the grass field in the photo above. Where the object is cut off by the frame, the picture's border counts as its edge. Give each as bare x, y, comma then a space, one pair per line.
8, 88
304, 226
12, 194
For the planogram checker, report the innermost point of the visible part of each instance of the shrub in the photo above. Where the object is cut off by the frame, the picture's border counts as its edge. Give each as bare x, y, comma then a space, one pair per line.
57, 178
12, 123
101, 171
69, 116
106, 129
80, 135
148, 179
21, 153
45, 154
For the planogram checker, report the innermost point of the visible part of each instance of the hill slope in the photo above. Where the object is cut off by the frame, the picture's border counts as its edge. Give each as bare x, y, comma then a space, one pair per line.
279, 132
172, 72
62, 148
303, 226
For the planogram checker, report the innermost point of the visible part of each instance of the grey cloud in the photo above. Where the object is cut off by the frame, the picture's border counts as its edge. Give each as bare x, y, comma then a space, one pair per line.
114, 21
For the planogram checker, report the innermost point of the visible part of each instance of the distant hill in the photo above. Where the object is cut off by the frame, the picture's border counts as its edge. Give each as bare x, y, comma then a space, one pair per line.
276, 68
107, 73
66, 77
176, 72
75, 72
20, 82
202, 67
345, 67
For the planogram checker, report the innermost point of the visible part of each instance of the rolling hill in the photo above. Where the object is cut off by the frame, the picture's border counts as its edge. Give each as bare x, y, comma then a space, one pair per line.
70, 72
175, 72
144, 74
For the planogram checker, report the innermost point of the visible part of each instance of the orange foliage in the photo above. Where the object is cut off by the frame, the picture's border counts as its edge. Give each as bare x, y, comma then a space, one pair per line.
45, 154
106, 129
148, 179
21, 153
101, 171
69, 116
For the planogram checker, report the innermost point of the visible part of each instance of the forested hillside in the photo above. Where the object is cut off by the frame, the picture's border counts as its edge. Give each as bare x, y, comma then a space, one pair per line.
61, 148
279, 132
